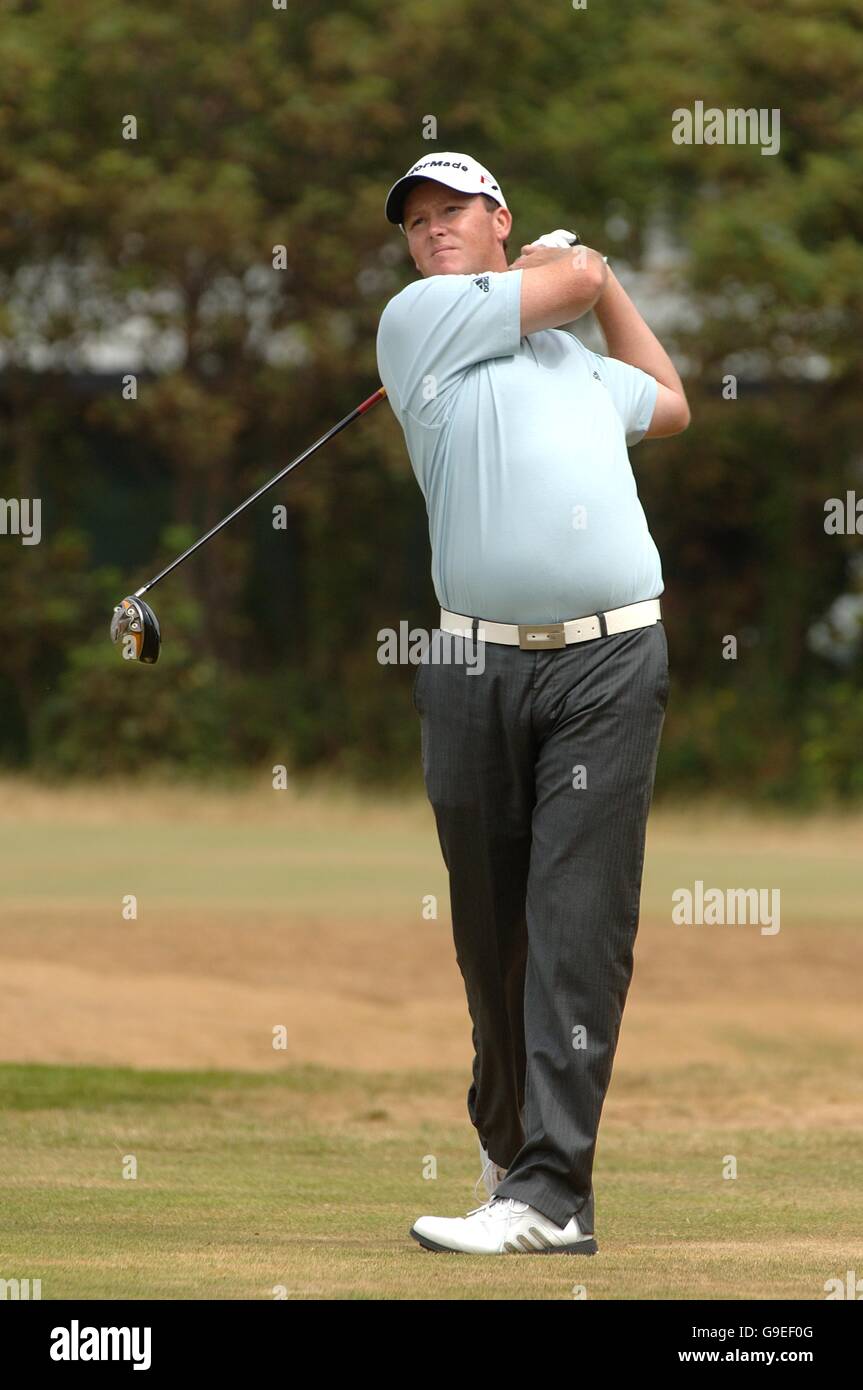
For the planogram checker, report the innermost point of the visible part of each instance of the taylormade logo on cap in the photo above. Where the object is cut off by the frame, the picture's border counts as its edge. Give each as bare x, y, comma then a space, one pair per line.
454, 170
437, 164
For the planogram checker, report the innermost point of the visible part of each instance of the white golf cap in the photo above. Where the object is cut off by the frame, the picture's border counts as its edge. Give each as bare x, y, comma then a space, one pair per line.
453, 170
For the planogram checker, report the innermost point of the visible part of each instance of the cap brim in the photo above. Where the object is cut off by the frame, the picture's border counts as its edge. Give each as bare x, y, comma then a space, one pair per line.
395, 205
396, 198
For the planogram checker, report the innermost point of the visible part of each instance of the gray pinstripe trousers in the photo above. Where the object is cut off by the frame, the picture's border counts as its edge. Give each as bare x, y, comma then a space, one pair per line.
540, 772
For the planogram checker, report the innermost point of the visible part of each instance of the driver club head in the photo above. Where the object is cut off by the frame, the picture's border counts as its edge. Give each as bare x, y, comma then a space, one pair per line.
133, 619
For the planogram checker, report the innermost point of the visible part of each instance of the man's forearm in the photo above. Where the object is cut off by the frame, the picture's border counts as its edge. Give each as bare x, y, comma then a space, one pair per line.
578, 278
628, 337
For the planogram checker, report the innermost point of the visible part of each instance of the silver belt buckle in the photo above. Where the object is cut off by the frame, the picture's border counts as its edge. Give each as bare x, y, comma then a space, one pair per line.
532, 636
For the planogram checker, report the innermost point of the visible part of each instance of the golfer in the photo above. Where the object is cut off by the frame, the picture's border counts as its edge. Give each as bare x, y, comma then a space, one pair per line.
539, 760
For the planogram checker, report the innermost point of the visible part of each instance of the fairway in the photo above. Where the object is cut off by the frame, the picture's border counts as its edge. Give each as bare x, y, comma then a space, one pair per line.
302, 1168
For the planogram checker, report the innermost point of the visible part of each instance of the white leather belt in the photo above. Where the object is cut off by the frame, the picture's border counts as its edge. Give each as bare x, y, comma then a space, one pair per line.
539, 636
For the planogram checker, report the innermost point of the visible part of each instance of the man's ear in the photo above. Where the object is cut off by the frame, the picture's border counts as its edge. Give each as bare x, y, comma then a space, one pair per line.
503, 217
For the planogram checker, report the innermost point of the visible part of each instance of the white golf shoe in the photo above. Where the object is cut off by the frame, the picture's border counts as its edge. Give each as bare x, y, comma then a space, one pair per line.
503, 1226
491, 1174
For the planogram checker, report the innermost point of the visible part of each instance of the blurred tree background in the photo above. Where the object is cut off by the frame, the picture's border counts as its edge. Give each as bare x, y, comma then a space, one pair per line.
260, 126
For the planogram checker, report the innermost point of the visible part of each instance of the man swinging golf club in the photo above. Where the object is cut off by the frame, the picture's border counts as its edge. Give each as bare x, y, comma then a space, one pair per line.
540, 766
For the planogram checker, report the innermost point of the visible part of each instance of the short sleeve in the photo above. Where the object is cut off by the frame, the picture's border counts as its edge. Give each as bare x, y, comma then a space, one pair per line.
633, 391
440, 327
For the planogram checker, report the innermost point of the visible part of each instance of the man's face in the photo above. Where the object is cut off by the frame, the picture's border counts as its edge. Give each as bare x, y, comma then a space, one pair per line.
452, 233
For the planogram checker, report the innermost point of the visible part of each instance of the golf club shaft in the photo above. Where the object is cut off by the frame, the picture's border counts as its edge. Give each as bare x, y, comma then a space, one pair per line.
359, 410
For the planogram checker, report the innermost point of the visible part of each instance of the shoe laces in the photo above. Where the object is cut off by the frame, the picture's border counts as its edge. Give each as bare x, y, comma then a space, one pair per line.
481, 1179
500, 1204
485, 1204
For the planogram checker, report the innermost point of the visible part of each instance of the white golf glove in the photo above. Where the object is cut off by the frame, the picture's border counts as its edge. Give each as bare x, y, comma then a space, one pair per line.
561, 238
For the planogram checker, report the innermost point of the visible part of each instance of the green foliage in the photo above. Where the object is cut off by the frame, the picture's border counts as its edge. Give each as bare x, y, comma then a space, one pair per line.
832, 769
109, 715
259, 128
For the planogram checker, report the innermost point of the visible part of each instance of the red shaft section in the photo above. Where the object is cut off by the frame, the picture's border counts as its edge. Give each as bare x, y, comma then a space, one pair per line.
372, 400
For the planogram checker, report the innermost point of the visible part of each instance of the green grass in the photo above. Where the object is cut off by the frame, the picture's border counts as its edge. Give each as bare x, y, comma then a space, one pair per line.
241, 866
241, 1190
308, 1177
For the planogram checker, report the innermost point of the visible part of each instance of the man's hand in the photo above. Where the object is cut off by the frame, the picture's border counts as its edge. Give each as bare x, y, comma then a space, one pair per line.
533, 254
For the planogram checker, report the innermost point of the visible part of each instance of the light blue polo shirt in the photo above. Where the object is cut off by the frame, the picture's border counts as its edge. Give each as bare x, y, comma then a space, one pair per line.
519, 445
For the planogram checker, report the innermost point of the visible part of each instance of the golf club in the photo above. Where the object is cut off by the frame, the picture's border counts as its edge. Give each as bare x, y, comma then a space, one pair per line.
135, 624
